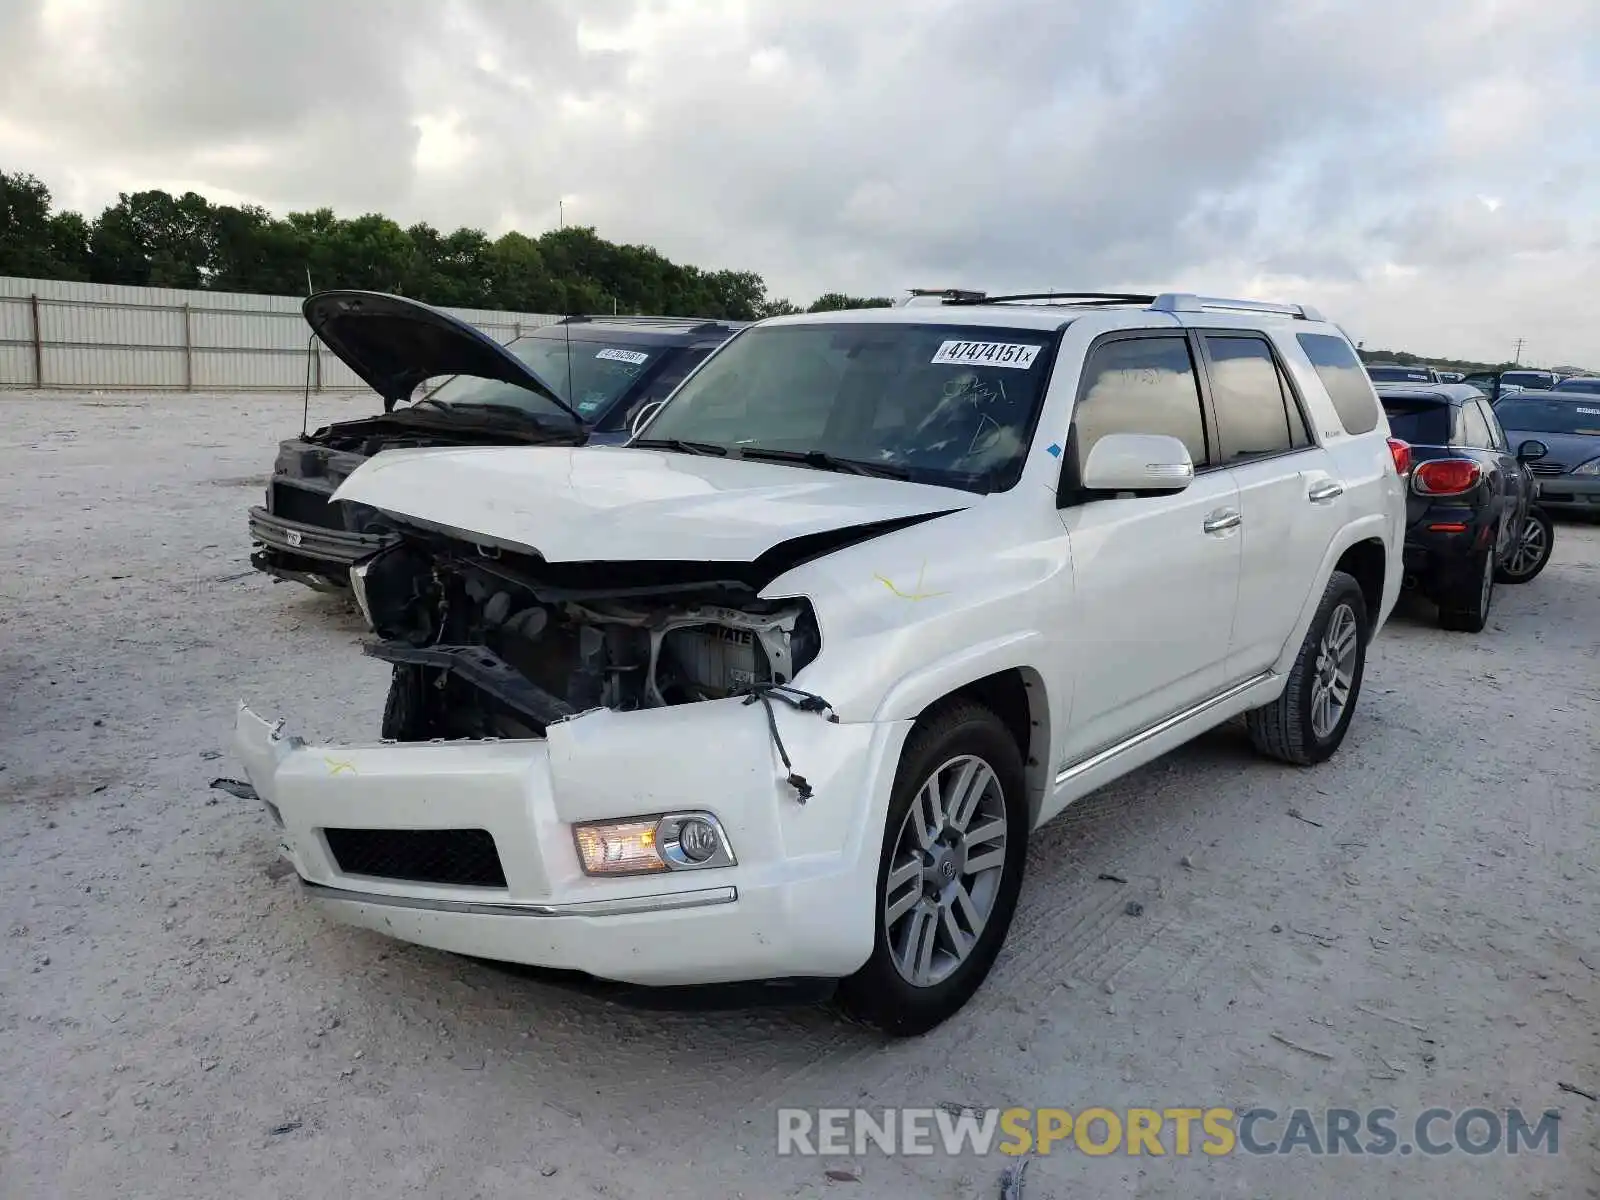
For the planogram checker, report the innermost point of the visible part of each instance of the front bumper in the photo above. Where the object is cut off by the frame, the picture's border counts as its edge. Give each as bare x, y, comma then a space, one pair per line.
1570, 493
295, 549
799, 902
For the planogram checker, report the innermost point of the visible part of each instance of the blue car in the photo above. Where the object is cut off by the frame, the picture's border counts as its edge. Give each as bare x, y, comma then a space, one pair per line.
580, 380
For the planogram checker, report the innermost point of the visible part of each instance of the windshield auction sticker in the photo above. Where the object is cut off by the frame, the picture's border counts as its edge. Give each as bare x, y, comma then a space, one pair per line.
628, 356
987, 354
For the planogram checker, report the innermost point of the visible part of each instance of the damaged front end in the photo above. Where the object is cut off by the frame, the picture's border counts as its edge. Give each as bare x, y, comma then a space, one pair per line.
495, 643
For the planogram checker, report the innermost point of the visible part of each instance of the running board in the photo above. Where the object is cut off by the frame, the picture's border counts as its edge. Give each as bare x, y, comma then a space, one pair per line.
1101, 757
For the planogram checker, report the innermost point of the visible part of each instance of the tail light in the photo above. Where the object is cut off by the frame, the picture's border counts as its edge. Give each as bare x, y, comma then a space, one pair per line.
1446, 476
1401, 452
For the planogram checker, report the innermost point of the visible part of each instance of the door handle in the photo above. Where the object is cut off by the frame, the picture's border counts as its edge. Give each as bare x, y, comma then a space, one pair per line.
1222, 520
1328, 489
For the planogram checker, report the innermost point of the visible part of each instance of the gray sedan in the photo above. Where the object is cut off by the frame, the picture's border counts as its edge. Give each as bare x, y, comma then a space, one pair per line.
1568, 423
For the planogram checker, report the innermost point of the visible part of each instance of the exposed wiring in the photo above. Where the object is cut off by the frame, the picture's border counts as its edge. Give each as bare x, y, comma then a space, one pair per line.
801, 701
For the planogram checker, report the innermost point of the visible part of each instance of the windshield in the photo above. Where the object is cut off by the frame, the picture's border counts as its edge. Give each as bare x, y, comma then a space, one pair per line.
942, 404
1420, 422
601, 373
1399, 375
1528, 379
1588, 386
1549, 416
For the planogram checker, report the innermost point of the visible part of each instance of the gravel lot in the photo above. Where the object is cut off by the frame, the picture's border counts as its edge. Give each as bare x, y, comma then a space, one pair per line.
176, 1022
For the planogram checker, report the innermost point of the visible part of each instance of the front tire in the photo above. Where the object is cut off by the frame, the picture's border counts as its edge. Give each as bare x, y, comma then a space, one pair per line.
1532, 551
1307, 723
949, 872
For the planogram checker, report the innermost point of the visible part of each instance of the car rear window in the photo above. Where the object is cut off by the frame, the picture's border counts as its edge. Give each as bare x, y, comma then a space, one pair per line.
1399, 375
1344, 378
1420, 422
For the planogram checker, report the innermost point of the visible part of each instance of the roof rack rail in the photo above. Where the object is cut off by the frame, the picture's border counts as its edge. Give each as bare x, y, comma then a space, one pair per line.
940, 296
1067, 298
1185, 302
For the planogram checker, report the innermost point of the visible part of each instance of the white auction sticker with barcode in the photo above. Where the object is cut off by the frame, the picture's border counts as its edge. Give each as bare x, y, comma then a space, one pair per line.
987, 354
627, 356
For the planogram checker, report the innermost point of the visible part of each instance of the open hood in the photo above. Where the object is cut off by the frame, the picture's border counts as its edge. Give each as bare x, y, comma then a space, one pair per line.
593, 504
394, 344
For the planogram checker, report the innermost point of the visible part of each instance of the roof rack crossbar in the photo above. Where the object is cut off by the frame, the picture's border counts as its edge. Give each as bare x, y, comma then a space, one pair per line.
689, 323
1185, 302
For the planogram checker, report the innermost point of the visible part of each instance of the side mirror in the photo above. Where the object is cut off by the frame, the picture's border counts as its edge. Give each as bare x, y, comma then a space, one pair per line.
642, 417
1532, 451
1137, 462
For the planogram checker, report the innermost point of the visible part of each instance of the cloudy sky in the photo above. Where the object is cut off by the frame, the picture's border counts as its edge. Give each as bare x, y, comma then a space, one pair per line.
1428, 172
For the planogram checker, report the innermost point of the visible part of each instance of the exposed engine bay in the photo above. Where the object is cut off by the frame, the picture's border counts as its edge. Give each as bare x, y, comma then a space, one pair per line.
489, 643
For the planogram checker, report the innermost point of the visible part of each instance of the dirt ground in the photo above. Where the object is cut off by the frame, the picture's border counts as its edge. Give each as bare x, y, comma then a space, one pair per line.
1415, 924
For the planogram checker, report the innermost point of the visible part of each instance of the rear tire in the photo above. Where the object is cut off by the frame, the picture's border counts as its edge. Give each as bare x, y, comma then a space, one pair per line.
1532, 550
922, 927
1307, 723
1464, 608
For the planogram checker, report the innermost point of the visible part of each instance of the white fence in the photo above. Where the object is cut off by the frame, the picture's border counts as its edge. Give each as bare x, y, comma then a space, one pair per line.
89, 336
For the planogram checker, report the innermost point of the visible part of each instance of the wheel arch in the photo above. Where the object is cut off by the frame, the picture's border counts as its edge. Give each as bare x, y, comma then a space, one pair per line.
1361, 551
1018, 697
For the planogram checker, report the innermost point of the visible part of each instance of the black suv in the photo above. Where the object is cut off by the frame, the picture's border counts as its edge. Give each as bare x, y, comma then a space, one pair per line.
1470, 516
583, 379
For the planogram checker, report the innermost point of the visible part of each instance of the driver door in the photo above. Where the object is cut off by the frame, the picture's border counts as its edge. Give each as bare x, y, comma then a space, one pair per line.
1155, 578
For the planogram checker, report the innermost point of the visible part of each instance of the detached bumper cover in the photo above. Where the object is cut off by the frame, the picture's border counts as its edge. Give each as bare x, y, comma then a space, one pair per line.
800, 900
336, 547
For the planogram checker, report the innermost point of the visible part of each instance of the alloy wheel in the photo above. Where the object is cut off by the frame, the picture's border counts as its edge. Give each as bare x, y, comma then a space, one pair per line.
1335, 671
1531, 549
944, 874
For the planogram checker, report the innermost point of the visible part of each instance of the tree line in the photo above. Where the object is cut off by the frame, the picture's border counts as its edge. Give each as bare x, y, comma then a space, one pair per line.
155, 239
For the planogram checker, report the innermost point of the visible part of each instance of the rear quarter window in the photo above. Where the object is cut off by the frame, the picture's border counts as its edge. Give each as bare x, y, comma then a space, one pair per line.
1344, 378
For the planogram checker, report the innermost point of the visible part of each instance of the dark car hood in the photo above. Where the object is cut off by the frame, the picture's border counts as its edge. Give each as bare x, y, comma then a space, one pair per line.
394, 344
1566, 449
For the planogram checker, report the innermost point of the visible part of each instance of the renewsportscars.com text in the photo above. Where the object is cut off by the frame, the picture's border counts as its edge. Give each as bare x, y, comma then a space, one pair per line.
1176, 1131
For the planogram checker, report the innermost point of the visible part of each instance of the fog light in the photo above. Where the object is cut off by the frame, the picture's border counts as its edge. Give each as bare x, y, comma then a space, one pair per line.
641, 845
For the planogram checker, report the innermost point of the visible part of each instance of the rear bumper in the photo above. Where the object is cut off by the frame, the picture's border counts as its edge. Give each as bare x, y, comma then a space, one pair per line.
293, 549
1435, 556
798, 902
1570, 492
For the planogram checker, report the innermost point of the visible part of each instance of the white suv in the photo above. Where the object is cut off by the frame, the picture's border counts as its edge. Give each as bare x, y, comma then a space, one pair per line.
781, 689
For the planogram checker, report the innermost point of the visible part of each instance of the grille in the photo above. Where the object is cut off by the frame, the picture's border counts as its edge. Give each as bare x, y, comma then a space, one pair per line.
303, 505
454, 856
1545, 468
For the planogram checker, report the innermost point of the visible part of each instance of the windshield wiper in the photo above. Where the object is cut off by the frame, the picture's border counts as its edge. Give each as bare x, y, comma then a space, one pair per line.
678, 444
824, 461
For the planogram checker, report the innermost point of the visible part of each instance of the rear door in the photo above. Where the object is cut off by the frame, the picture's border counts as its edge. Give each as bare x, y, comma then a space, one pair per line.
1155, 577
1515, 483
1290, 497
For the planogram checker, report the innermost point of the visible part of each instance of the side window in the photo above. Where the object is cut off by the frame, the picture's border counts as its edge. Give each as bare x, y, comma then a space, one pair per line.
1140, 385
1299, 431
1474, 430
1497, 436
1248, 397
1344, 378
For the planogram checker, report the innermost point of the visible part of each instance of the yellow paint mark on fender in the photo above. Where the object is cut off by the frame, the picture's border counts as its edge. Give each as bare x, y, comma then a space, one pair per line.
337, 766
916, 593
